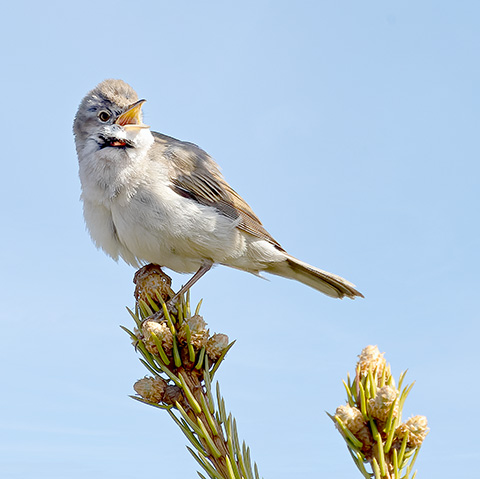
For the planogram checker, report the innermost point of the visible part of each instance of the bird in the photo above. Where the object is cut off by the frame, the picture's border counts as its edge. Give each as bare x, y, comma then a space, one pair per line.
150, 198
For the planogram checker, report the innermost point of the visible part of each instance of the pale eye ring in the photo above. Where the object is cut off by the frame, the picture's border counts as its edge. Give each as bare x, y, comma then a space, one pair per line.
104, 115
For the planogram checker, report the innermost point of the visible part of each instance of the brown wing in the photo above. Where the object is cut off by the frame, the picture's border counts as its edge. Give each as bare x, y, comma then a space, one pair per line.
194, 174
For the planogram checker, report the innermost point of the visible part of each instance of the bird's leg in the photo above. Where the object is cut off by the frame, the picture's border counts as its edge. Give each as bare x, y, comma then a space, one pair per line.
204, 268
170, 304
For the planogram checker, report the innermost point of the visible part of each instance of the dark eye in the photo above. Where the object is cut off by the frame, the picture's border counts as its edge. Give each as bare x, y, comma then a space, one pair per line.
104, 115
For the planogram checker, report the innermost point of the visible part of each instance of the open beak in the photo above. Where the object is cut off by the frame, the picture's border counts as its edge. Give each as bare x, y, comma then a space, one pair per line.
132, 117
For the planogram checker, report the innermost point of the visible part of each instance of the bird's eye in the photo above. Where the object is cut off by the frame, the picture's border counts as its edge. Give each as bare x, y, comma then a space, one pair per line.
104, 115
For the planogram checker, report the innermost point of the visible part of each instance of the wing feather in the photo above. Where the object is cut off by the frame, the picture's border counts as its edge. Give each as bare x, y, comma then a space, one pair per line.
195, 175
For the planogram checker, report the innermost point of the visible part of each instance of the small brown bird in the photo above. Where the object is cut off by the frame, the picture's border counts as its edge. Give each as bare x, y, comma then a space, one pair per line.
149, 198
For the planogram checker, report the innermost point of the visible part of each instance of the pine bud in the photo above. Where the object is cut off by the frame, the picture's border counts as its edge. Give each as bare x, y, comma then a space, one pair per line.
351, 417
216, 345
151, 389
149, 280
198, 331
417, 430
379, 407
371, 358
163, 333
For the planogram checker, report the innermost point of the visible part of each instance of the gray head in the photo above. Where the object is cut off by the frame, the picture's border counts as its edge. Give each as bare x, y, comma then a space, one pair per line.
105, 113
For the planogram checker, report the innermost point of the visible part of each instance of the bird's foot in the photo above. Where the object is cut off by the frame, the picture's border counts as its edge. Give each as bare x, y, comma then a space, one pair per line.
152, 284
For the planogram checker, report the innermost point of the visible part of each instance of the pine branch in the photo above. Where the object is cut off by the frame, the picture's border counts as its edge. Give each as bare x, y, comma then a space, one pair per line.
371, 421
182, 357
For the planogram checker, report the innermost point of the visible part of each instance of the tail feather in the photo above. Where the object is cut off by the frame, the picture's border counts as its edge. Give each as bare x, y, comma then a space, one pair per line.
327, 283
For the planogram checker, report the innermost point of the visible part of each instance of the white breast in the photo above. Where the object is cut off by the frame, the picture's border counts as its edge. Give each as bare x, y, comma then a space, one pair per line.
157, 225
131, 212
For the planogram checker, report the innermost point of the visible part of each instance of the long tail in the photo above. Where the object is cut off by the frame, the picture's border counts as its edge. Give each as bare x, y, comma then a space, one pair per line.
327, 283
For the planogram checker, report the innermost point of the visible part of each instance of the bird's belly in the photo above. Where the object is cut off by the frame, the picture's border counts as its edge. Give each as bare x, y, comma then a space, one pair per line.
180, 235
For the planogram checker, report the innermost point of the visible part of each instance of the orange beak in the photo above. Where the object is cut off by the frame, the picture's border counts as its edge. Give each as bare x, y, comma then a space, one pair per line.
132, 117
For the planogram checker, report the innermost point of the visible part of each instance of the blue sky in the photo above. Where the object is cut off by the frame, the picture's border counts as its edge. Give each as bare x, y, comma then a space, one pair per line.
351, 128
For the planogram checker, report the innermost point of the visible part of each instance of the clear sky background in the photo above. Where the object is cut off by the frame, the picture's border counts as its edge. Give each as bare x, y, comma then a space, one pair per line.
351, 128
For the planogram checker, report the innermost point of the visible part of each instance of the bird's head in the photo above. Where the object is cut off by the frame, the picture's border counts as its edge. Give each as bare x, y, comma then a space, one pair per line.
110, 117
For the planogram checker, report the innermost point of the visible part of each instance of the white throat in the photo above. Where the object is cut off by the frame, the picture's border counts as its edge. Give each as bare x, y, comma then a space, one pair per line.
106, 171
